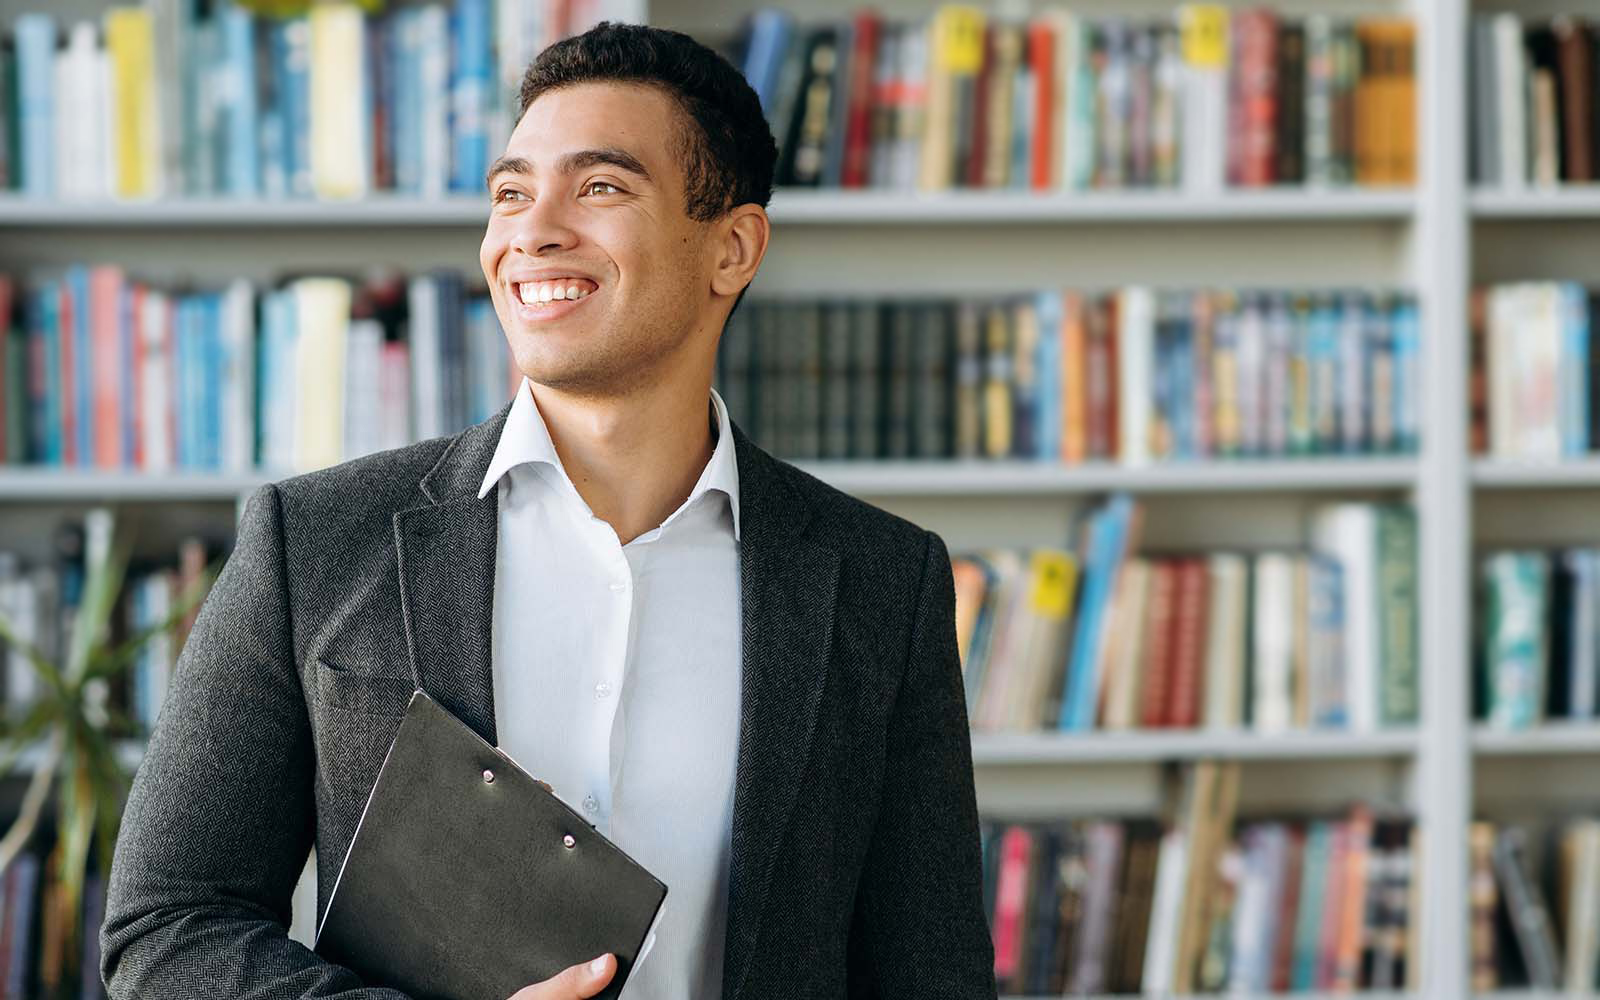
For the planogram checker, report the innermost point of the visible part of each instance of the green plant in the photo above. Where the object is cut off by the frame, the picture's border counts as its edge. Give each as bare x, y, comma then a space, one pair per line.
75, 724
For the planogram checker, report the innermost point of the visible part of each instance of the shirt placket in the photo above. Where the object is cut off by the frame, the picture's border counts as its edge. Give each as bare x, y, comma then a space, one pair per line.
606, 675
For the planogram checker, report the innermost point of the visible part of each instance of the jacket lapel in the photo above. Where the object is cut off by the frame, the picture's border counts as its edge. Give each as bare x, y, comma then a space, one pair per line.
787, 587
446, 560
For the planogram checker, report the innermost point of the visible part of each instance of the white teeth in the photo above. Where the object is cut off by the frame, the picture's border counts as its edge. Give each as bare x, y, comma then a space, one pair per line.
538, 293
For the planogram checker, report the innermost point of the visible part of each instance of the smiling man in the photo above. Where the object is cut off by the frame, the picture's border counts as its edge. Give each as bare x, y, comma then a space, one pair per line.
744, 677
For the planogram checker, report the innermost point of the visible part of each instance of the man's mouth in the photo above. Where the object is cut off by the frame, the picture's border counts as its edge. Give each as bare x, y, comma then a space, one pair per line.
544, 292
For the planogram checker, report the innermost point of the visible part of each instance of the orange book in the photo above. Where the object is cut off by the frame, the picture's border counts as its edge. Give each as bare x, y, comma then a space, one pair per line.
1074, 380
1404, 103
1353, 915
105, 308
1160, 628
1044, 165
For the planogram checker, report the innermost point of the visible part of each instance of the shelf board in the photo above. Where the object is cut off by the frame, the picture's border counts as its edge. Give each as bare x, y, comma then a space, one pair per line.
1551, 738
991, 749
1569, 201
886, 478
1510, 474
793, 206
981, 478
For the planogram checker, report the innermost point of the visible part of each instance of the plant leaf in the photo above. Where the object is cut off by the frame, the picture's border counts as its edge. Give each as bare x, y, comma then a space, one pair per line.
110, 663
47, 671
102, 583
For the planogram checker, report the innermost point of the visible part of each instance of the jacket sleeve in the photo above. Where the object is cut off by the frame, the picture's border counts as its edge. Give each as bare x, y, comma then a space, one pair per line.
220, 816
919, 928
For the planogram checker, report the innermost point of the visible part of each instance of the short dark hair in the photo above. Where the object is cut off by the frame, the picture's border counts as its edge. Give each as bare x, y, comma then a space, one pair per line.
728, 155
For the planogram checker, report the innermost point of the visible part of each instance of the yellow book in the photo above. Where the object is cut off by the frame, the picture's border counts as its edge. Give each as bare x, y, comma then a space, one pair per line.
136, 137
338, 122
1052, 585
955, 55
997, 384
322, 320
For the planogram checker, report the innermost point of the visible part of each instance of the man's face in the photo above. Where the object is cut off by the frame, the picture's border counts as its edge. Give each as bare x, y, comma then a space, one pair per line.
588, 201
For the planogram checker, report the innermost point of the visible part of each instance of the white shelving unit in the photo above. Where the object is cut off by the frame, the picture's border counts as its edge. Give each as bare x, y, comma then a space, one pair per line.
1438, 239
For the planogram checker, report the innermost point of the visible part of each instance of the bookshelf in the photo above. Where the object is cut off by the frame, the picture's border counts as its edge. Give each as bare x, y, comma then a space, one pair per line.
1438, 238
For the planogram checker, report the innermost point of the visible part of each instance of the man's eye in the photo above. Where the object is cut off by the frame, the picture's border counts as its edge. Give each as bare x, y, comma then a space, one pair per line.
507, 194
603, 184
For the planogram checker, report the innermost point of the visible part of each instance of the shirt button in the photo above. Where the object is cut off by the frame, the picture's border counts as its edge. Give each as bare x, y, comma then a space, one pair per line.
602, 689
590, 804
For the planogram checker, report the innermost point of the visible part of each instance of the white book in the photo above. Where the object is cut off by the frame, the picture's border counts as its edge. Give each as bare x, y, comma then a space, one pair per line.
238, 432
1348, 533
1582, 920
1125, 646
363, 356
1204, 99
278, 379
155, 374
1273, 644
322, 322
426, 375
1511, 85
394, 376
1501, 350
1135, 342
1536, 367
434, 96
1246, 867
340, 156
1160, 954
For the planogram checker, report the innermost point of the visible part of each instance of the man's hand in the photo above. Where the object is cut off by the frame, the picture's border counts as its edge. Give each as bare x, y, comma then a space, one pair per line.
573, 983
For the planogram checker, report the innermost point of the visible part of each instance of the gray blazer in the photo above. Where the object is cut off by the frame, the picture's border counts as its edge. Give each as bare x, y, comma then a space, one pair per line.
856, 867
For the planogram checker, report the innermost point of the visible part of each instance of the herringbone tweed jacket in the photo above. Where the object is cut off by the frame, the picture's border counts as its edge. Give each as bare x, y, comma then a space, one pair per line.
855, 868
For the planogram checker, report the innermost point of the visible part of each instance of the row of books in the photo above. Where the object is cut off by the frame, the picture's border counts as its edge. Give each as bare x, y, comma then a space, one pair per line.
1124, 907
1535, 365
1130, 376
1204, 99
176, 98
39, 603
33, 959
1532, 103
1539, 637
1535, 897
102, 370
1093, 636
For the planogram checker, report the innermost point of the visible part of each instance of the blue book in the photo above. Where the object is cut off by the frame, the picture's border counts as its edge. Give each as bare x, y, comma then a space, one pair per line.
1047, 437
771, 31
406, 123
471, 70
242, 176
1308, 922
211, 385
82, 362
36, 74
1574, 392
19, 922
48, 415
1355, 368
1108, 534
293, 36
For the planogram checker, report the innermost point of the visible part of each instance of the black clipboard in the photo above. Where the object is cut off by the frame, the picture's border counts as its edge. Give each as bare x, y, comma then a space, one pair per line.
467, 880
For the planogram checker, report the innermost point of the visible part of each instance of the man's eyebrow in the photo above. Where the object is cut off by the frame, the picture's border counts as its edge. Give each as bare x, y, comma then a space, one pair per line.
506, 164
568, 163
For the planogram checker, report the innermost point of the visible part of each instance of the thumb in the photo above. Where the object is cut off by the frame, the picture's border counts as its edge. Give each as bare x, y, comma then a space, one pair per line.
589, 978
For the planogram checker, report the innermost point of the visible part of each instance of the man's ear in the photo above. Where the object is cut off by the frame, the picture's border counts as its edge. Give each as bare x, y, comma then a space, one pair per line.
740, 245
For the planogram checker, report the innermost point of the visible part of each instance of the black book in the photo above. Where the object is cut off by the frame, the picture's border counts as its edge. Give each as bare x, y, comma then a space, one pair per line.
467, 879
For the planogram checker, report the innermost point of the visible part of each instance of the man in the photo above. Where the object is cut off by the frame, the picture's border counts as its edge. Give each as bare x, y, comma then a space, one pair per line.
747, 679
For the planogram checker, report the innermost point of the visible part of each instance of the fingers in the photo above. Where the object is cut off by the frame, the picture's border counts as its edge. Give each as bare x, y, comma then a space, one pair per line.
591, 977
546, 785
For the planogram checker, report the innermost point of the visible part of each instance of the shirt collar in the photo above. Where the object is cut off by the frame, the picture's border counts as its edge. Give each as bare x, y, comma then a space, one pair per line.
526, 439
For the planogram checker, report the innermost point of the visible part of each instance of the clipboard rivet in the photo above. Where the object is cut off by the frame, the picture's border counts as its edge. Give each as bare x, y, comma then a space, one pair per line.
488, 776
569, 840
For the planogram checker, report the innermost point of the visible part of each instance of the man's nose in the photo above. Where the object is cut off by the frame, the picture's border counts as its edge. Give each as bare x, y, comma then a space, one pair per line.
544, 225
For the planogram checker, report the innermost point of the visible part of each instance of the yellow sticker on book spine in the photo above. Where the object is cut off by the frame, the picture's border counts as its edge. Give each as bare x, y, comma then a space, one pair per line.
1053, 575
1205, 35
958, 34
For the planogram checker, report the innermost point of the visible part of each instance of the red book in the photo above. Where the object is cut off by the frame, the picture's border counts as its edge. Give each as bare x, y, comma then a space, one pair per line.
136, 308
1042, 64
978, 123
1254, 98
1010, 899
858, 112
1189, 644
105, 334
1160, 636
1288, 910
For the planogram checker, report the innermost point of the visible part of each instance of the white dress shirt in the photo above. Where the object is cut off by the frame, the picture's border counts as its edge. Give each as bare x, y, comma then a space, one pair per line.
617, 679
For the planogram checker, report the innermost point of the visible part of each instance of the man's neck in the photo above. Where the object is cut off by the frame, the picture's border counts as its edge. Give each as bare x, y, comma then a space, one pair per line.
633, 460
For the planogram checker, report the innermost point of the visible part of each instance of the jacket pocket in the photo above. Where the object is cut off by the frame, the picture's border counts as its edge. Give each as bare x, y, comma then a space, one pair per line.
357, 691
